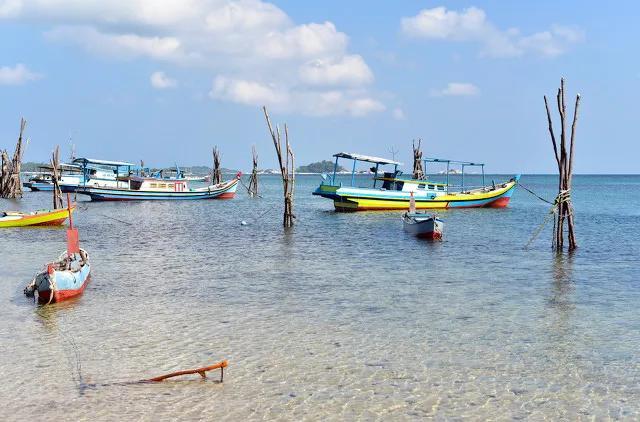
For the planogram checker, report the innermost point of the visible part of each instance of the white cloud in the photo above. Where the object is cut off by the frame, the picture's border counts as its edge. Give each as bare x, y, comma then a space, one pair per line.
120, 45
471, 25
284, 98
457, 89
160, 80
398, 114
349, 70
17, 75
253, 40
247, 92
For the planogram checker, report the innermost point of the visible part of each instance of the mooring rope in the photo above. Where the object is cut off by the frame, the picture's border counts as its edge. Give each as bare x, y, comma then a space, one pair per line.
563, 196
247, 188
534, 194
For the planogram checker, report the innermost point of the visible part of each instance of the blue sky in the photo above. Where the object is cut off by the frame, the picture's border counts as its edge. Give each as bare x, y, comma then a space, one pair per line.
164, 81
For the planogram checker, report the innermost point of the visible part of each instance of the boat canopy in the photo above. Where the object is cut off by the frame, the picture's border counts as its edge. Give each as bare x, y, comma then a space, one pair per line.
368, 158
462, 165
85, 161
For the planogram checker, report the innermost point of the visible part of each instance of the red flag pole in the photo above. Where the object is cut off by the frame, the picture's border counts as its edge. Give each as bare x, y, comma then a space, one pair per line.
69, 208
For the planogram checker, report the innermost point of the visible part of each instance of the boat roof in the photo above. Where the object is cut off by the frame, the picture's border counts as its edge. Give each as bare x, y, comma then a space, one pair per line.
62, 166
368, 158
103, 162
445, 160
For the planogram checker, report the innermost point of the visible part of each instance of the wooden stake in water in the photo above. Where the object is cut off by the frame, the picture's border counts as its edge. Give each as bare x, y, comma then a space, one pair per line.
253, 180
287, 168
10, 183
418, 172
564, 159
216, 175
55, 178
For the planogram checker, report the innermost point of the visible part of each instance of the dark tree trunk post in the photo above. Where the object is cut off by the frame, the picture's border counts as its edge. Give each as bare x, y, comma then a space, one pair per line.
216, 175
287, 168
564, 160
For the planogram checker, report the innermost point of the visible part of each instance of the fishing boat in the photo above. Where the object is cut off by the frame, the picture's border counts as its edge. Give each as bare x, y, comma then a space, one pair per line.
35, 218
149, 188
65, 277
391, 191
70, 177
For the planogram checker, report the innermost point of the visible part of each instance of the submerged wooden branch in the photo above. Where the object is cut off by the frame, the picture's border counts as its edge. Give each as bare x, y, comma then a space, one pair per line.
201, 371
287, 167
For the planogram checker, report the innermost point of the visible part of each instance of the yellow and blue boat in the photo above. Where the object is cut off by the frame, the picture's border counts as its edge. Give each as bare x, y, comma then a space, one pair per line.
390, 191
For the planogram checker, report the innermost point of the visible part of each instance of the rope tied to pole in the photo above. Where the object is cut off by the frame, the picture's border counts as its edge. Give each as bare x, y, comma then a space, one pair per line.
562, 197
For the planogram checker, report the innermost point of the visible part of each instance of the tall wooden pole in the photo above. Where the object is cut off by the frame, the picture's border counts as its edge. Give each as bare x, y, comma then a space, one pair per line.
55, 165
253, 180
418, 172
287, 168
564, 160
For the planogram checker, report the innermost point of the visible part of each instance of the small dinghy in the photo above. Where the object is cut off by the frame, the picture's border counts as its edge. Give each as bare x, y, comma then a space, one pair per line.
422, 225
65, 277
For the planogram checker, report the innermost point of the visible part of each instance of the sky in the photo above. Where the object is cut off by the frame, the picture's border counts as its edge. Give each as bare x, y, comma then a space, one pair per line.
165, 81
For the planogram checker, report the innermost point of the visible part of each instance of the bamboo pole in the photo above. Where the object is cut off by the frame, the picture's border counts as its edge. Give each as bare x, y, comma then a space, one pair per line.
216, 175
253, 180
418, 172
287, 168
564, 160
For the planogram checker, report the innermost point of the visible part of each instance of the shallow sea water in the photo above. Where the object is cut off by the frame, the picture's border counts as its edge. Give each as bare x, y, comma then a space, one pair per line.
342, 317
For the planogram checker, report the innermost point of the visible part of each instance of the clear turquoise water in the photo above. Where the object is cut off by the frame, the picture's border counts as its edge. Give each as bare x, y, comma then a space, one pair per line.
344, 316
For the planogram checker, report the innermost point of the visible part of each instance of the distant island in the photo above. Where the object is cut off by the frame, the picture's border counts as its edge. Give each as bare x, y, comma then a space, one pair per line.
324, 166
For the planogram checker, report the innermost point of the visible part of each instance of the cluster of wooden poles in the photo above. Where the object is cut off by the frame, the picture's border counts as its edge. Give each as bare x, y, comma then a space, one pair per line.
10, 183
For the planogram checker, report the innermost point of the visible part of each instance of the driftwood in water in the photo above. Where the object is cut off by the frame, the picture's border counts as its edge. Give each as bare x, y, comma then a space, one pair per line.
563, 205
201, 371
418, 172
253, 179
10, 184
216, 174
55, 178
287, 168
